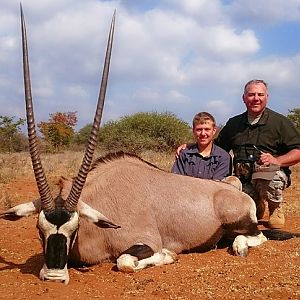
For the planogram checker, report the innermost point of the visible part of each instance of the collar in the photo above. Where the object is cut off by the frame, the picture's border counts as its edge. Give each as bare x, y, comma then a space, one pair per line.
193, 149
262, 121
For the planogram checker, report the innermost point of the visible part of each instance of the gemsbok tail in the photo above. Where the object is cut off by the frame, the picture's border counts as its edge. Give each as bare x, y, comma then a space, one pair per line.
279, 235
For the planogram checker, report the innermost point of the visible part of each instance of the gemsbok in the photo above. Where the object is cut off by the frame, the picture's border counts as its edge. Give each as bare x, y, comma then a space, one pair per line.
130, 211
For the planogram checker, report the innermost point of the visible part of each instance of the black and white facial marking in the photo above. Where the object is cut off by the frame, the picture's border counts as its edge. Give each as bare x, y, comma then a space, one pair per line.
57, 230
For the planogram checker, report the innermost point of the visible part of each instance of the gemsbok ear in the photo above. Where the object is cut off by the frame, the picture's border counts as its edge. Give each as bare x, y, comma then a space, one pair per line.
22, 210
95, 216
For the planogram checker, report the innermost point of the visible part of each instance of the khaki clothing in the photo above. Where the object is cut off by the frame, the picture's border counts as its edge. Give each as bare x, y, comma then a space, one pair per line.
269, 190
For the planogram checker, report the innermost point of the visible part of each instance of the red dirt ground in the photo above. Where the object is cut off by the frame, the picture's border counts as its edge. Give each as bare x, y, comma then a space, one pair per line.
271, 271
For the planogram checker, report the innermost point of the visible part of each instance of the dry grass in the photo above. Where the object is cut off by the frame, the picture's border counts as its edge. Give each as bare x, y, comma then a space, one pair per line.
291, 195
18, 166
162, 160
13, 166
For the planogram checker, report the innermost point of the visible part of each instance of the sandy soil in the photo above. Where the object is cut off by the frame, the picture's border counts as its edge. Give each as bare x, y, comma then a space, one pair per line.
271, 271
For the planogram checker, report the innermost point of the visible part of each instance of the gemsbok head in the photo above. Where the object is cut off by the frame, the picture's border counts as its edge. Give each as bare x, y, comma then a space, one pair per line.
58, 219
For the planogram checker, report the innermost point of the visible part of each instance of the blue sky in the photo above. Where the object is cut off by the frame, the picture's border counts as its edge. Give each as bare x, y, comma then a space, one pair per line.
170, 55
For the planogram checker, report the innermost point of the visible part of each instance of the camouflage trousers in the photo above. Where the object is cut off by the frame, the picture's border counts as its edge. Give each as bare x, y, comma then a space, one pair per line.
269, 190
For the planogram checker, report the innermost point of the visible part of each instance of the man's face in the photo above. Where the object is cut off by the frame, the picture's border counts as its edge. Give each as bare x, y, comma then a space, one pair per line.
256, 98
204, 133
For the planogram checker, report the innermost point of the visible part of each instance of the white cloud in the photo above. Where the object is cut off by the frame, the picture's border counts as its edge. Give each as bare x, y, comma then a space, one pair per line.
177, 97
175, 56
147, 95
224, 43
77, 91
205, 11
214, 105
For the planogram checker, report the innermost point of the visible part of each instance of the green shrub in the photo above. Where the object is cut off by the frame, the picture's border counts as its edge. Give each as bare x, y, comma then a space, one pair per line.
145, 131
82, 136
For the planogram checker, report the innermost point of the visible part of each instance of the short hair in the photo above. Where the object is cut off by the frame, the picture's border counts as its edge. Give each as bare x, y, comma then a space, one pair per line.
255, 81
203, 117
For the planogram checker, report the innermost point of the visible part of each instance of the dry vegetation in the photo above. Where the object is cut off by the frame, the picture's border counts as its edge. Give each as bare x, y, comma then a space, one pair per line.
271, 271
18, 166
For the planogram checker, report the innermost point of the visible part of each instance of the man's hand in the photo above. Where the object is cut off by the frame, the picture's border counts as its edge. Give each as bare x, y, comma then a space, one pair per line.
180, 148
267, 159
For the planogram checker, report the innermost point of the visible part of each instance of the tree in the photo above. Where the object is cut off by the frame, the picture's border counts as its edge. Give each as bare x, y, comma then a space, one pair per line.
10, 133
145, 131
59, 130
294, 116
82, 136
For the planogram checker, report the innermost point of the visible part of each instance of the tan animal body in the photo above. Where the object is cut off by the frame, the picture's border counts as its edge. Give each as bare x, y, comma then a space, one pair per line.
155, 208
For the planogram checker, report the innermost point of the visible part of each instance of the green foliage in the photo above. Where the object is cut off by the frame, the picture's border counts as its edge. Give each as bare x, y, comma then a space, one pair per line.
58, 131
294, 116
145, 131
82, 136
10, 137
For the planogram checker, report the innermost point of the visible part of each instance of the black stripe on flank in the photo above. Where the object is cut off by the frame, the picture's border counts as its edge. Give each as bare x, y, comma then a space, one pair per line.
139, 251
207, 245
245, 224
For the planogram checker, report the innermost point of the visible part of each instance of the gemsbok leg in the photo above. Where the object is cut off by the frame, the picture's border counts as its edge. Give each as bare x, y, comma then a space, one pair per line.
243, 242
141, 256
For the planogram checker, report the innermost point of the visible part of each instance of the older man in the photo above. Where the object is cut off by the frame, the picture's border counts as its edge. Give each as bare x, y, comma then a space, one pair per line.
269, 137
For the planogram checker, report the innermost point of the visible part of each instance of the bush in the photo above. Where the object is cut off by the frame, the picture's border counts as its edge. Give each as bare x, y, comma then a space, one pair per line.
82, 136
58, 131
294, 116
11, 139
145, 131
